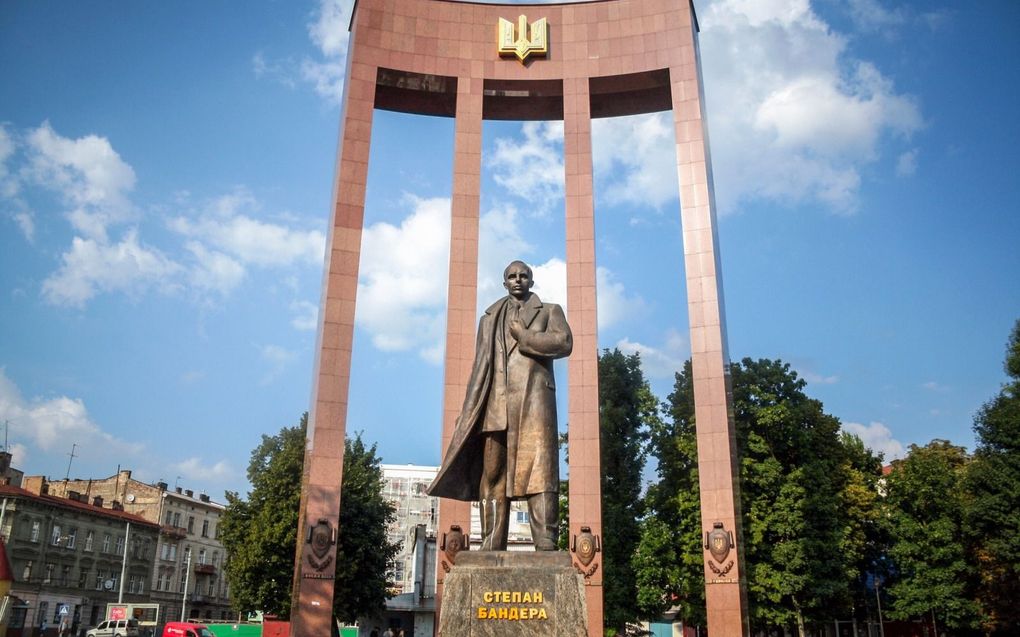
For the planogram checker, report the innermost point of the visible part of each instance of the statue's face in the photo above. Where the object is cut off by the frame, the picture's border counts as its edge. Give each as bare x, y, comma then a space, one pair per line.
517, 280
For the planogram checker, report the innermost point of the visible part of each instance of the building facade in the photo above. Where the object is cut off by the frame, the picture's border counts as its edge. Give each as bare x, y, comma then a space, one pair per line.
71, 556
187, 563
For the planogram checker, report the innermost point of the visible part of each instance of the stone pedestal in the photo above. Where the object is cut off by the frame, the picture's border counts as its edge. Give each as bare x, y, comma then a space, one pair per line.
497, 593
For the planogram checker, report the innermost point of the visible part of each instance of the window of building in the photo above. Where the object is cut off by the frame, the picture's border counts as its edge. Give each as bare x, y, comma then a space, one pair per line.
201, 556
169, 516
65, 575
26, 574
180, 588
100, 577
106, 542
191, 524
55, 535
522, 517
119, 549
205, 528
33, 534
44, 609
48, 577
72, 538
83, 577
89, 537
177, 519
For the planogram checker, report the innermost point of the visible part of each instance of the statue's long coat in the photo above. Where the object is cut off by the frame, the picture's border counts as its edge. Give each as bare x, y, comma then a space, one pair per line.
511, 389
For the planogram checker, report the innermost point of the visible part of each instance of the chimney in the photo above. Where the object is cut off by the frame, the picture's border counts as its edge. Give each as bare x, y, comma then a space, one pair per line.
44, 488
116, 506
73, 495
97, 501
161, 485
204, 497
5, 461
178, 489
189, 493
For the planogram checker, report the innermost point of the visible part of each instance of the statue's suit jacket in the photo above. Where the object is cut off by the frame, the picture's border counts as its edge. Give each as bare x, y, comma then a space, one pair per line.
511, 388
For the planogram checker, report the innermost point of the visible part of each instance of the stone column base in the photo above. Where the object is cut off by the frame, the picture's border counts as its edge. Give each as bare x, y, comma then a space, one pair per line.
511, 593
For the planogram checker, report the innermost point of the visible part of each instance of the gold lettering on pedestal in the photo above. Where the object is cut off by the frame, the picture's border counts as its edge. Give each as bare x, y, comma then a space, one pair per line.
512, 613
525, 42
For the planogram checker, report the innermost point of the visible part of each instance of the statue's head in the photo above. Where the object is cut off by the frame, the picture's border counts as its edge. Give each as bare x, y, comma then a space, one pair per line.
517, 279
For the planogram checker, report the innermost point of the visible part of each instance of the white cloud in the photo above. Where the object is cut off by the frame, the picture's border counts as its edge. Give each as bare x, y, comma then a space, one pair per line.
19, 455
818, 379
635, 160
250, 241
278, 359
935, 386
793, 116
531, 167
906, 165
870, 15
50, 425
8, 184
404, 271
614, 304
213, 271
92, 266
499, 243
89, 175
198, 470
306, 315
550, 281
877, 437
659, 362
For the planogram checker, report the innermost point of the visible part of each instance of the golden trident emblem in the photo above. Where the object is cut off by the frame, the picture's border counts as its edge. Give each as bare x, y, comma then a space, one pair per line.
522, 46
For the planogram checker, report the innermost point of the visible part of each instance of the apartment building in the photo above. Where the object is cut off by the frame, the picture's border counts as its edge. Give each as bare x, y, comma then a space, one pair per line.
187, 577
71, 555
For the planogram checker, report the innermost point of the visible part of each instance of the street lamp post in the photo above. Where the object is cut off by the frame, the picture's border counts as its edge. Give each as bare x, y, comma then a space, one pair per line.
187, 580
123, 563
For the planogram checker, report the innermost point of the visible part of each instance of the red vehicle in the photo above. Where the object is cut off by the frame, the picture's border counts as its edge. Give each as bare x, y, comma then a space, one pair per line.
186, 629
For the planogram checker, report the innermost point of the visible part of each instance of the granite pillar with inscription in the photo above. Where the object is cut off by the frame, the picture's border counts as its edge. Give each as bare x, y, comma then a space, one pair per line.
571, 62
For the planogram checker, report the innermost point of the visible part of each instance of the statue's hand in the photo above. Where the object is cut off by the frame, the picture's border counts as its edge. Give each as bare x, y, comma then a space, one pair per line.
516, 328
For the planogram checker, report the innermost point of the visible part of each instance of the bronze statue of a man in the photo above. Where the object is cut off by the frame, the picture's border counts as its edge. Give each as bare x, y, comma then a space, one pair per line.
504, 446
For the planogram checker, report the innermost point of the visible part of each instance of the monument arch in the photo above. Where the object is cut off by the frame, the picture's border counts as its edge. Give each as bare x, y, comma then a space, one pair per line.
570, 62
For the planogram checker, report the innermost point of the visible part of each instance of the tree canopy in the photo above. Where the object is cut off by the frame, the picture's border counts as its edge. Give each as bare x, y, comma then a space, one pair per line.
627, 408
259, 533
993, 508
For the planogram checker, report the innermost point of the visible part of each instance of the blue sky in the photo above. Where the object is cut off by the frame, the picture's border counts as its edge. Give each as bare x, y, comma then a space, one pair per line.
165, 175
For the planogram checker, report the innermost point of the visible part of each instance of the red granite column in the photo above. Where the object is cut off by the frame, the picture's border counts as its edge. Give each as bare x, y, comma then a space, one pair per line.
312, 606
461, 312
718, 467
583, 380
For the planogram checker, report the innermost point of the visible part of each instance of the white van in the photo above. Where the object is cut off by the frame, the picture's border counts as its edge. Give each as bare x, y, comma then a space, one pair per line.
115, 628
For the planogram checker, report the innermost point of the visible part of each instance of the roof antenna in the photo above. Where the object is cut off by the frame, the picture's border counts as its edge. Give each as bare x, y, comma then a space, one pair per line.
72, 454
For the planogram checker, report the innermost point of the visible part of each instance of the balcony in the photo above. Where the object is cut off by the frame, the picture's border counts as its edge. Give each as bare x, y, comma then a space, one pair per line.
205, 569
175, 532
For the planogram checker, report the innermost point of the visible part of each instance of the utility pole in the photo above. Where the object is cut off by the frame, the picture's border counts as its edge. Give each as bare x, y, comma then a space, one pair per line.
123, 563
187, 580
72, 454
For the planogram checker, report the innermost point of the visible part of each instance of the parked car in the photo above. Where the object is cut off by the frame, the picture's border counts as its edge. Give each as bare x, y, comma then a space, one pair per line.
115, 628
186, 629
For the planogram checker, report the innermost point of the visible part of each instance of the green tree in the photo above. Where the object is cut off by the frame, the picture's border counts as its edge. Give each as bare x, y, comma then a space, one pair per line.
932, 571
864, 541
793, 473
627, 408
363, 552
668, 559
259, 533
791, 485
993, 484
